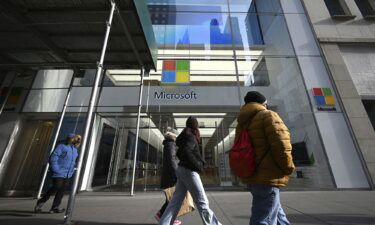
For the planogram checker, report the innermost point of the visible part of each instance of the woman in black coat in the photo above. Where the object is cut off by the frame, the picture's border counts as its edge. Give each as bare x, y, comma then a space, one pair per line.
170, 164
188, 178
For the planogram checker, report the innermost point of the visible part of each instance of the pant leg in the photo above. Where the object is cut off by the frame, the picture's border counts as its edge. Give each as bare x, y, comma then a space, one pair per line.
174, 205
162, 209
51, 191
281, 217
265, 206
60, 189
194, 185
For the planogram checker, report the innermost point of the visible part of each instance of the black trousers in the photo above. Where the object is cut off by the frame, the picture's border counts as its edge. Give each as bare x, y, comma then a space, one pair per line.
163, 207
58, 188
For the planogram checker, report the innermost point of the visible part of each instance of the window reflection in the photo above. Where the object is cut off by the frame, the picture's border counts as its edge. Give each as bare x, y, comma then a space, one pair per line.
260, 6
188, 5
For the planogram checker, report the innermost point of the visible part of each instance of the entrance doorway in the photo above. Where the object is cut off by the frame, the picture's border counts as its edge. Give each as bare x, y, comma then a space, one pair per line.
30, 157
217, 136
103, 162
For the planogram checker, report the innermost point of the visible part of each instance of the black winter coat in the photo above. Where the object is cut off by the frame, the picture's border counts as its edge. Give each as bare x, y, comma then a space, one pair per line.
168, 175
188, 152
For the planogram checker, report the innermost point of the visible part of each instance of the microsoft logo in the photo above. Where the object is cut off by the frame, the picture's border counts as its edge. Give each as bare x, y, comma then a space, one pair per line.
323, 96
176, 72
324, 99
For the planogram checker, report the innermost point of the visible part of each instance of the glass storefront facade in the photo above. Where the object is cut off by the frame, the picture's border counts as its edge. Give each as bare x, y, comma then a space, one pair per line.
210, 53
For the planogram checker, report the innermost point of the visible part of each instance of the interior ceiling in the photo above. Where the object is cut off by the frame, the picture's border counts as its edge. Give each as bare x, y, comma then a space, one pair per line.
215, 128
176, 116
70, 34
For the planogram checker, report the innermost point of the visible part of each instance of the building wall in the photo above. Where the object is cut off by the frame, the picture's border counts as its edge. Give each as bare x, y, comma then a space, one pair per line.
346, 45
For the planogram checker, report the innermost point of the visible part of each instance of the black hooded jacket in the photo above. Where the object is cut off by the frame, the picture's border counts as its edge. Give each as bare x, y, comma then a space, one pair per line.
188, 152
168, 175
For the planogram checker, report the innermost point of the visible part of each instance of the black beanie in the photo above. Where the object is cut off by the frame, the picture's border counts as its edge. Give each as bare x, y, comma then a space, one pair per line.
254, 96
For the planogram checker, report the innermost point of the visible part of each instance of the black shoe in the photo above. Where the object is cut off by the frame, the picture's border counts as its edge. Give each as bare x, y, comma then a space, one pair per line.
38, 207
56, 210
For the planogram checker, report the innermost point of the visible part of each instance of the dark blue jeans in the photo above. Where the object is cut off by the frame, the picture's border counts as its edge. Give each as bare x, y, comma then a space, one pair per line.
266, 208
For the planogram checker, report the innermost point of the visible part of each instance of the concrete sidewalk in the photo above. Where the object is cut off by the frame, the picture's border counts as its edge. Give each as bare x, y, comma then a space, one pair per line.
305, 208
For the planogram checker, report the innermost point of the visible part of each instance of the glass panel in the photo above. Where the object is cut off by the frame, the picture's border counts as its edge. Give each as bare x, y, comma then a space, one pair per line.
149, 154
370, 109
204, 31
84, 77
255, 6
366, 7
79, 96
53, 79
122, 78
334, 7
187, 5
14, 90
312, 169
255, 35
47, 100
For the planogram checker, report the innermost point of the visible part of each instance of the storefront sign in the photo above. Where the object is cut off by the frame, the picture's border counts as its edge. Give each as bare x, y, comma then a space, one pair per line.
324, 99
162, 95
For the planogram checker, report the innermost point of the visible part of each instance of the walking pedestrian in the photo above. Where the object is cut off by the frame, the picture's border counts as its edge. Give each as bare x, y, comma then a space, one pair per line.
271, 141
62, 164
168, 176
188, 178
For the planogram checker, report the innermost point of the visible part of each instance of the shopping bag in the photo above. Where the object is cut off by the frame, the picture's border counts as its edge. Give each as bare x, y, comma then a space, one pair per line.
187, 205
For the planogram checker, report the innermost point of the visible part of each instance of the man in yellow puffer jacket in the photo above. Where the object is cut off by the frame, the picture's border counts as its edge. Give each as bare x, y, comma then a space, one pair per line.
271, 141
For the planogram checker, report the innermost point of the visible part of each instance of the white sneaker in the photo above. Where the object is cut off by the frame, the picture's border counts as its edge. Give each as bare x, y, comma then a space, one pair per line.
177, 222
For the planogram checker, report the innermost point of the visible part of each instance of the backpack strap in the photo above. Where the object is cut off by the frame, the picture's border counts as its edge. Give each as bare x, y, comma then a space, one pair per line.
265, 154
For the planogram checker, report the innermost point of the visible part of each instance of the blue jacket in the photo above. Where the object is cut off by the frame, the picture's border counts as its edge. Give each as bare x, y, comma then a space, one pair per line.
63, 161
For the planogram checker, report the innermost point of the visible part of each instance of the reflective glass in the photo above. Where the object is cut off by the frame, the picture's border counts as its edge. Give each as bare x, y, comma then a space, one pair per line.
53, 79
335, 7
192, 30
188, 5
255, 35
255, 6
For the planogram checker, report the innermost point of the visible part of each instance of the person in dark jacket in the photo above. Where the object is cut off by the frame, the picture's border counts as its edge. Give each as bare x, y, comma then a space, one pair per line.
188, 178
168, 176
62, 164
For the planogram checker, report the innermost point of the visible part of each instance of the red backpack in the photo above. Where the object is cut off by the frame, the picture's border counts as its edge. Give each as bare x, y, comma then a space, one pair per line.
242, 156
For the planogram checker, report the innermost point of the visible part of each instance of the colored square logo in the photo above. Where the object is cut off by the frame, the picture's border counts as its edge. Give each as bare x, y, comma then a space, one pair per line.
168, 77
317, 92
183, 65
320, 100
327, 91
330, 100
169, 65
176, 72
182, 77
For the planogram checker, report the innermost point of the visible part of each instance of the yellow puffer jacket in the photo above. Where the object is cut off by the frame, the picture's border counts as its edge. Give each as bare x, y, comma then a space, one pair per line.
268, 133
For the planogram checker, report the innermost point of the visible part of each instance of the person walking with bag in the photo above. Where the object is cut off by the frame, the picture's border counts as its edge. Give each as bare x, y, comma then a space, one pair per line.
62, 163
188, 178
271, 142
168, 176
